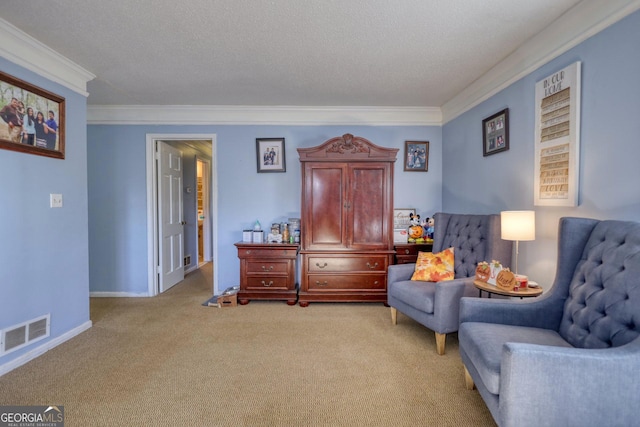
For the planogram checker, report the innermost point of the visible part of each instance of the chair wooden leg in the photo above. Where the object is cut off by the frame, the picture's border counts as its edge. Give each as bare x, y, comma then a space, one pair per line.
394, 316
440, 342
468, 381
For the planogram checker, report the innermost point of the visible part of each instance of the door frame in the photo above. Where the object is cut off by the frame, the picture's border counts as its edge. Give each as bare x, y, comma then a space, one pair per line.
153, 259
206, 229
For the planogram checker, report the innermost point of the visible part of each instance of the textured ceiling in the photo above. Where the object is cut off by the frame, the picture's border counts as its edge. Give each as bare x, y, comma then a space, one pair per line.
282, 52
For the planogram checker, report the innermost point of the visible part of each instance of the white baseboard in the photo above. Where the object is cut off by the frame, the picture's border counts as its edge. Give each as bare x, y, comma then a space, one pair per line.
116, 295
41, 349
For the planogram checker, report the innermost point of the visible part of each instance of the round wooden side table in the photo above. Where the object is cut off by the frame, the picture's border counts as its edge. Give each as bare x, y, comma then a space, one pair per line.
492, 289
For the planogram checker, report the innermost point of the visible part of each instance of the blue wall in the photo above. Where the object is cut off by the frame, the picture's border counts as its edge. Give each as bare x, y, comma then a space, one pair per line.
610, 126
117, 190
49, 256
44, 251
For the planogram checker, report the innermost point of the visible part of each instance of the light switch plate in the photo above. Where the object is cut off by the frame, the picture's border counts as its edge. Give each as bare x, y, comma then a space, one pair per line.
55, 200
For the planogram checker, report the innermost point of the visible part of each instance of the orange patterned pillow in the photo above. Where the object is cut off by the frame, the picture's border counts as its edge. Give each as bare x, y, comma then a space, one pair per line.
432, 267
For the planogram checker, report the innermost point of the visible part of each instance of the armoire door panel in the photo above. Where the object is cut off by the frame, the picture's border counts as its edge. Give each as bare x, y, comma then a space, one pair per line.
326, 199
367, 212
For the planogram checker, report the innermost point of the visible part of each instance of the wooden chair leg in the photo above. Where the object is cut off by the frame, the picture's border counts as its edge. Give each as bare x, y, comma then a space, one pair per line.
468, 381
440, 342
394, 316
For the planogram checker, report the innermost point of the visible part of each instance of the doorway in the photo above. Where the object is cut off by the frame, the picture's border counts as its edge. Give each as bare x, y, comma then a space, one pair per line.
203, 210
209, 199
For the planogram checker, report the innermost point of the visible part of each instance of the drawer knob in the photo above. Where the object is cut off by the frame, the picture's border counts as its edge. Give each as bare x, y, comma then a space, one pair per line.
248, 251
321, 284
321, 266
407, 251
267, 284
371, 267
267, 269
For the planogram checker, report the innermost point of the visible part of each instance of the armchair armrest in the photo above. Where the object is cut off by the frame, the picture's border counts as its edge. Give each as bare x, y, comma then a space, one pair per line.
446, 306
600, 385
400, 272
525, 312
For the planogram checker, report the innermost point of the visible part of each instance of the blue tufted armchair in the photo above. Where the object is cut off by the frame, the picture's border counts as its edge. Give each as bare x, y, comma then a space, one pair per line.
474, 238
572, 356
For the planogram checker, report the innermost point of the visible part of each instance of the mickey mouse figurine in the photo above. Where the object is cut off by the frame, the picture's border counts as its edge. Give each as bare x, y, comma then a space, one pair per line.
415, 229
429, 229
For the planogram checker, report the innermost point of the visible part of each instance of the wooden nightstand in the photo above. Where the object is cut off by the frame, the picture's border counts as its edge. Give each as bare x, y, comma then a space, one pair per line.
267, 271
408, 252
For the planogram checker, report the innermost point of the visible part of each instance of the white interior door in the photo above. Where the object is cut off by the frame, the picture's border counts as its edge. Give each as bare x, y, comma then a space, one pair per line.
170, 216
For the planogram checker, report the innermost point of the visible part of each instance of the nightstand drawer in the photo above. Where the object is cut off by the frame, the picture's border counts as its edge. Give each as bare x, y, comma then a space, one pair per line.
267, 266
408, 252
266, 252
406, 259
266, 283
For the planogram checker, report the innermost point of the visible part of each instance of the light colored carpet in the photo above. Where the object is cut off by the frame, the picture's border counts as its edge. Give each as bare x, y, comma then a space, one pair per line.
168, 361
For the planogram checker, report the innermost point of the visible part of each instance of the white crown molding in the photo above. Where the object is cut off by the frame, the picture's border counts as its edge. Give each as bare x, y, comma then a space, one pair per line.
262, 115
578, 24
22, 49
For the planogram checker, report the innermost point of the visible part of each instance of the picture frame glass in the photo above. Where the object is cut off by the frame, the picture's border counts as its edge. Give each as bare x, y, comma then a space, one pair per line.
33, 119
495, 133
416, 156
270, 155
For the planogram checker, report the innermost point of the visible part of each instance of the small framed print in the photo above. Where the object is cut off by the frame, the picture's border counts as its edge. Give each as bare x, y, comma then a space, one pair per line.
401, 217
416, 156
495, 133
270, 155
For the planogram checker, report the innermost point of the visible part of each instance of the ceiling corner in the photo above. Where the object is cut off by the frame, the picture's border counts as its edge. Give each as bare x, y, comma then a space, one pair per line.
584, 20
22, 49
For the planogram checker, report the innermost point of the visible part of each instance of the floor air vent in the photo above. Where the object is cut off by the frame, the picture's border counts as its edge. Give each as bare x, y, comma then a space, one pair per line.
187, 260
18, 336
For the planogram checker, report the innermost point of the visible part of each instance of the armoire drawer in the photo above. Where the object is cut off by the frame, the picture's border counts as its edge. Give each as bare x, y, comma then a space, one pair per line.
367, 263
347, 281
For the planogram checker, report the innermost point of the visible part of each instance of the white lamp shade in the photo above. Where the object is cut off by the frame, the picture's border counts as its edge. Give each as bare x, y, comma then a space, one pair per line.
518, 225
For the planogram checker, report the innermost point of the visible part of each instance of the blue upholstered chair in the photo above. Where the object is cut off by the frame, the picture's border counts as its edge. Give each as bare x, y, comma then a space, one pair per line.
474, 238
572, 356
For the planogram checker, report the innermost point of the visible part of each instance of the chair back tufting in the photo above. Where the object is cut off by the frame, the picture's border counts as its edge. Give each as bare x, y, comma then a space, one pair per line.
474, 238
602, 309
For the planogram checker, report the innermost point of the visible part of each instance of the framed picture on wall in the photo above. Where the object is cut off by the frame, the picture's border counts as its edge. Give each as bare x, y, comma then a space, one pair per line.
416, 156
557, 138
270, 155
495, 133
33, 119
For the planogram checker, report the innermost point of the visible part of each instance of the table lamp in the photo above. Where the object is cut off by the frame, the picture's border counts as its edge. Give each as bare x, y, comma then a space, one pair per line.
518, 226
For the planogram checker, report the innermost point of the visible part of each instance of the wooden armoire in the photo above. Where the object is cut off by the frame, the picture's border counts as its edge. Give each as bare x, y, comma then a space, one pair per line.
346, 220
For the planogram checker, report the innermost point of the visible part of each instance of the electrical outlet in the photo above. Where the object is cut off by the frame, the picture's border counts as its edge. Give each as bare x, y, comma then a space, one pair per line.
55, 200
